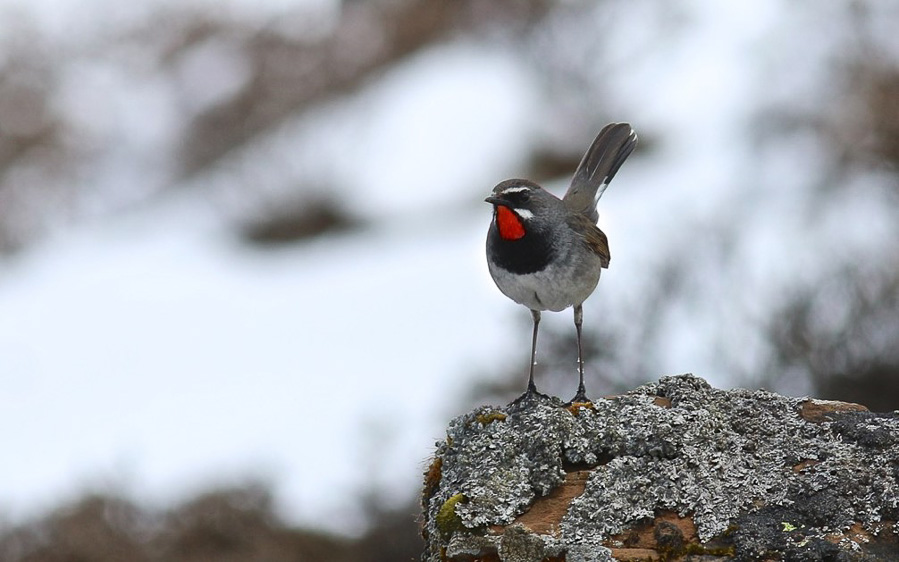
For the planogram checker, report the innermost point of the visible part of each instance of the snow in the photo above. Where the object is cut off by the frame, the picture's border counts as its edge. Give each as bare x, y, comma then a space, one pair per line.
151, 352
161, 351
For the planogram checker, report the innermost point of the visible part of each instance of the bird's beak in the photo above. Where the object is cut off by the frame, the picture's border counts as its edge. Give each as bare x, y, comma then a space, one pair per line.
494, 200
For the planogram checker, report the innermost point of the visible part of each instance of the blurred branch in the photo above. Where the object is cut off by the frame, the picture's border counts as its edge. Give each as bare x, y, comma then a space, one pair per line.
36, 148
306, 218
843, 335
291, 74
232, 524
53, 158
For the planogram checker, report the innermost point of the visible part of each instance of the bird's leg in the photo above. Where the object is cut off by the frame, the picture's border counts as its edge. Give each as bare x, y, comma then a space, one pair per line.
531, 386
581, 395
531, 395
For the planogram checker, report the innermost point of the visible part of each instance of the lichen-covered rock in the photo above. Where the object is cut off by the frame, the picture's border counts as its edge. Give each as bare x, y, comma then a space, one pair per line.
672, 470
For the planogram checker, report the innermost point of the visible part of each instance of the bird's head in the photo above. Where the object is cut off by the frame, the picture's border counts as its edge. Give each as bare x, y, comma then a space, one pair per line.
519, 206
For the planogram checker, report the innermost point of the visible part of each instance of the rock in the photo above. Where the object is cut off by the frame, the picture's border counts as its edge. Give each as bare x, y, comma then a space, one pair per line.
674, 470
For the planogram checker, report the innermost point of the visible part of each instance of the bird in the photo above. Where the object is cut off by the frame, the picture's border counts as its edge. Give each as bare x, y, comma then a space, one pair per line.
548, 253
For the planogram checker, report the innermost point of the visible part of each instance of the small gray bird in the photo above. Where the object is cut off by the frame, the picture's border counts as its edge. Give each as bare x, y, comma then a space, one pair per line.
547, 253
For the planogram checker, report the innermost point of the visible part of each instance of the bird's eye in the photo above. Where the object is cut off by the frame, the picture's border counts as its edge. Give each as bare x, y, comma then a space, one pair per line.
525, 195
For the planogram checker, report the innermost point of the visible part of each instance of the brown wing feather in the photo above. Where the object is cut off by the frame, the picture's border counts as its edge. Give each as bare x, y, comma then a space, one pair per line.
594, 237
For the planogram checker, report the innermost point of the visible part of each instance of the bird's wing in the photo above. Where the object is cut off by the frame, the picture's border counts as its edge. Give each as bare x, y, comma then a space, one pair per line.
593, 237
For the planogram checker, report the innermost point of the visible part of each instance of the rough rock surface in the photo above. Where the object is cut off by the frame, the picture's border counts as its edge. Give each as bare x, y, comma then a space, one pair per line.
674, 470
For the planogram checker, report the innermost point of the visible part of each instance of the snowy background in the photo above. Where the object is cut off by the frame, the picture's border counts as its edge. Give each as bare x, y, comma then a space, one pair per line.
148, 348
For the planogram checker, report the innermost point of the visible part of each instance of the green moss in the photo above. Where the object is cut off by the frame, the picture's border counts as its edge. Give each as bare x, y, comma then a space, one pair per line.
447, 521
491, 417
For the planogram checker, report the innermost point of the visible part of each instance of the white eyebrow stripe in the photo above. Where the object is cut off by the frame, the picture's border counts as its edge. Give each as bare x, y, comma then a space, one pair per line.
524, 213
515, 189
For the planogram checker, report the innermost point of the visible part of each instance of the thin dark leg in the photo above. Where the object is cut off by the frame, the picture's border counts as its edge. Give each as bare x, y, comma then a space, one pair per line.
531, 386
581, 395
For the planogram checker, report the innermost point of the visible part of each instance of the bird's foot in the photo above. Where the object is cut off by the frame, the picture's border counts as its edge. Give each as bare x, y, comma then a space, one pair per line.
580, 399
531, 396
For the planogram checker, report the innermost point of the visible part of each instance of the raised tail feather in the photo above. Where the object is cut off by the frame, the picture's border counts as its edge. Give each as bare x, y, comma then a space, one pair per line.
609, 150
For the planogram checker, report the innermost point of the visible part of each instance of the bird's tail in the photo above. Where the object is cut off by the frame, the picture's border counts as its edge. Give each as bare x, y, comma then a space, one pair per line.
609, 150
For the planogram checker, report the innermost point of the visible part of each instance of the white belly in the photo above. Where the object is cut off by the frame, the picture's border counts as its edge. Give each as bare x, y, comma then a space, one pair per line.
553, 288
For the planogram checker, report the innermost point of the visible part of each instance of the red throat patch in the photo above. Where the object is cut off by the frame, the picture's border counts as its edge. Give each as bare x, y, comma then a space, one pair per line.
508, 223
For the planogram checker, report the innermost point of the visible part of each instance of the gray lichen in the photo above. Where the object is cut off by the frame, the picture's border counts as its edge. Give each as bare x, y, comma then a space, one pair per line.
720, 457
